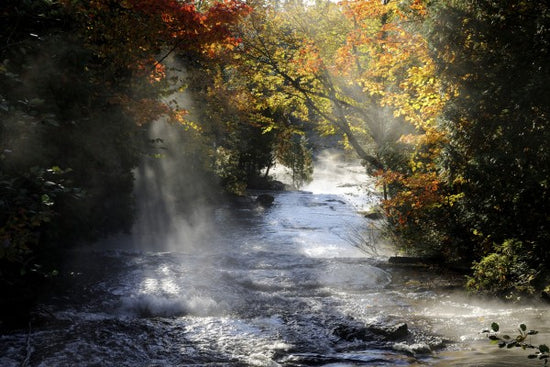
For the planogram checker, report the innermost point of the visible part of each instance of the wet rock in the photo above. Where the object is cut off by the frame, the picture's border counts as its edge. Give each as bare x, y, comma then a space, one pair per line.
413, 260
390, 331
436, 342
277, 186
265, 200
374, 215
413, 349
386, 330
351, 332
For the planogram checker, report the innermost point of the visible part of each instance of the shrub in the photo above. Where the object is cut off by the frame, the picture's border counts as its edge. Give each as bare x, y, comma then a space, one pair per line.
506, 271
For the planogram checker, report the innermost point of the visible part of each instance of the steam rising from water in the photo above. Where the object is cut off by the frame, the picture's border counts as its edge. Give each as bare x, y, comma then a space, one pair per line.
171, 194
174, 216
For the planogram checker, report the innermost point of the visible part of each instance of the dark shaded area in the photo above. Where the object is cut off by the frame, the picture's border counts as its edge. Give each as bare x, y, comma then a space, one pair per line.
493, 165
498, 154
66, 150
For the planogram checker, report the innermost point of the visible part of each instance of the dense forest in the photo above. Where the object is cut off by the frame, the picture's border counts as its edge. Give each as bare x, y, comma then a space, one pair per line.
446, 102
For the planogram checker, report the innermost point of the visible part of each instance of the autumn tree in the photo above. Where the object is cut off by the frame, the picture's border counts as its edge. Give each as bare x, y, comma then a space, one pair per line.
390, 59
285, 60
361, 69
251, 129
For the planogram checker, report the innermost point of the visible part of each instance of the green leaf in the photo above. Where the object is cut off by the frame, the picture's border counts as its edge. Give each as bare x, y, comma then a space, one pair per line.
46, 200
495, 327
36, 102
544, 348
523, 327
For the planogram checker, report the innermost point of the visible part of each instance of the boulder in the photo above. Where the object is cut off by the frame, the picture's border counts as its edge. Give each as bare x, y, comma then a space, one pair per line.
386, 330
413, 349
265, 183
277, 186
351, 332
265, 200
390, 331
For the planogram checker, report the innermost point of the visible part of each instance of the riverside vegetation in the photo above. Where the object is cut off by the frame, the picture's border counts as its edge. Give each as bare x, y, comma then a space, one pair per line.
520, 341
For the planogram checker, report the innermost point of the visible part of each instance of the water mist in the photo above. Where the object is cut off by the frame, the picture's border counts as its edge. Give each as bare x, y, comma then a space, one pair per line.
171, 192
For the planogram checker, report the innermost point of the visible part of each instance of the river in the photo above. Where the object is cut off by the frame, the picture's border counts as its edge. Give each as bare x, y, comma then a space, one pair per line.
283, 285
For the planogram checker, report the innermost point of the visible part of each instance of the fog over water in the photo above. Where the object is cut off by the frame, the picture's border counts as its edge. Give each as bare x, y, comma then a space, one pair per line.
172, 205
232, 283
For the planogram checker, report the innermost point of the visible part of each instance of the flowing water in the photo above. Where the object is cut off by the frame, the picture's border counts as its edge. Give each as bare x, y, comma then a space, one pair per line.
285, 285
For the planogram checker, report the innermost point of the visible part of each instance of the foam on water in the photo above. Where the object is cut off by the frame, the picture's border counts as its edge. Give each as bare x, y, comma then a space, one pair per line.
150, 305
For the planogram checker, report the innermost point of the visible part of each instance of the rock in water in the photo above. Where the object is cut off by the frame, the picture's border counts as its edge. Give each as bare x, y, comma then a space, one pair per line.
391, 331
413, 349
265, 200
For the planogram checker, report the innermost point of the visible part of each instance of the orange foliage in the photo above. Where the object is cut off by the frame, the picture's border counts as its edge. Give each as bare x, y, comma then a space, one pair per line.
130, 34
130, 31
143, 110
308, 59
419, 192
392, 63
